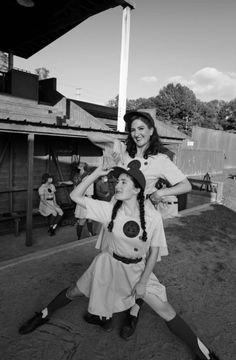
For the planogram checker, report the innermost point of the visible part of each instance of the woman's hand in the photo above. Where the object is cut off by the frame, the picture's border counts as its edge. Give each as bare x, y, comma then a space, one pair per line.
139, 290
156, 197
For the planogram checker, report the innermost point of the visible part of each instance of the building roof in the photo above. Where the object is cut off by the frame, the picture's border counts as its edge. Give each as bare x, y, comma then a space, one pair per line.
99, 111
27, 30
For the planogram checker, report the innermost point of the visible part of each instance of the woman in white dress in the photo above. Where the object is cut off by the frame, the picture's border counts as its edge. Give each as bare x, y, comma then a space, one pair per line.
142, 143
121, 273
48, 206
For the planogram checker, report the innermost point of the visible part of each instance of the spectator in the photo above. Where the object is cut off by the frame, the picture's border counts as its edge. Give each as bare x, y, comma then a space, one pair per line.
102, 189
48, 206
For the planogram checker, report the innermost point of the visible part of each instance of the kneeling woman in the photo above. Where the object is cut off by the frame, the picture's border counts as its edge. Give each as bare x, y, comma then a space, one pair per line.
122, 273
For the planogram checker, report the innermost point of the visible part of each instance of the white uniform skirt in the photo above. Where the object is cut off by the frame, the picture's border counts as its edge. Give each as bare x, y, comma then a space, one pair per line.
108, 283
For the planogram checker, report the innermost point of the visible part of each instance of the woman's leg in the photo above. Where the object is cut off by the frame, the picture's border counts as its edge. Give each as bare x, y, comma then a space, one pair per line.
90, 227
79, 227
62, 299
179, 327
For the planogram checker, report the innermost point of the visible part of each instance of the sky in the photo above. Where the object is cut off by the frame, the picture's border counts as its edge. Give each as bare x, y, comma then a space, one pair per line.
191, 42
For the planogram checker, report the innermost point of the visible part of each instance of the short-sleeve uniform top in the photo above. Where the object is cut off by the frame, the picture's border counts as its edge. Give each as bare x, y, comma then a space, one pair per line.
47, 192
109, 282
156, 167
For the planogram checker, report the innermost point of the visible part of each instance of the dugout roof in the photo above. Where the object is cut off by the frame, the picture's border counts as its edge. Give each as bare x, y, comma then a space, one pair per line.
27, 30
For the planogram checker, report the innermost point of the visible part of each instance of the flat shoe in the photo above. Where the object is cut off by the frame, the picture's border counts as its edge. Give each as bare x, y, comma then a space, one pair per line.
105, 324
33, 323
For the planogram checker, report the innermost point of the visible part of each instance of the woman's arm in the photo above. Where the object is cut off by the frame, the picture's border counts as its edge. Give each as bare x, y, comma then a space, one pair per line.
110, 145
77, 195
102, 140
182, 187
140, 287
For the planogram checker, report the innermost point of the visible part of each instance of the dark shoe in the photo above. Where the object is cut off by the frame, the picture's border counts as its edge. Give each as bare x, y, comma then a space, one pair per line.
51, 231
106, 324
212, 356
33, 323
129, 327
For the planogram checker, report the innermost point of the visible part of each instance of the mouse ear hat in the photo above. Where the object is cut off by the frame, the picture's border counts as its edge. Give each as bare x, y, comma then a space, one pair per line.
133, 170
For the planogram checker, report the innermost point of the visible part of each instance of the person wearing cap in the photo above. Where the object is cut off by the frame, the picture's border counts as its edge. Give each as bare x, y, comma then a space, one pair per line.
142, 143
120, 274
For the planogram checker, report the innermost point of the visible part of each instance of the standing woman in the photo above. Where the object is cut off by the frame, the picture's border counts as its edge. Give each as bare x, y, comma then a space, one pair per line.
80, 214
143, 143
121, 273
48, 206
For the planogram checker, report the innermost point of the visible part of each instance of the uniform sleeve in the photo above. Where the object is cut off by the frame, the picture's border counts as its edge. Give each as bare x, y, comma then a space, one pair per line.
171, 172
158, 237
53, 188
98, 210
41, 191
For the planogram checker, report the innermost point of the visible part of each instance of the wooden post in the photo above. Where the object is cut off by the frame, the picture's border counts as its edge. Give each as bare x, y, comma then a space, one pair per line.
124, 60
10, 61
11, 161
29, 217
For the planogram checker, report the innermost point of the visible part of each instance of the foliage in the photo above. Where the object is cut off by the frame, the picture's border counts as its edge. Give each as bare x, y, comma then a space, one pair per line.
227, 116
42, 72
178, 105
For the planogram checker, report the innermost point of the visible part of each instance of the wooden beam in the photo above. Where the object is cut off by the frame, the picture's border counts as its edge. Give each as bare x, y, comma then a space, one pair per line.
29, 217
10, 180
4, 151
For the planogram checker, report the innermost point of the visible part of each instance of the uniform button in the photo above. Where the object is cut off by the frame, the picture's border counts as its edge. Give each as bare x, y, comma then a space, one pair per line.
145, 163
135, 249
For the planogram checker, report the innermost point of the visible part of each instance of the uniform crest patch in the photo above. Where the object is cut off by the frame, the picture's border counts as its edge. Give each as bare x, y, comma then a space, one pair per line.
131, 229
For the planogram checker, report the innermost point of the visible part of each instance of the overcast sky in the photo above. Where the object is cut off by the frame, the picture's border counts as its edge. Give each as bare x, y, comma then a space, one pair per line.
186, 41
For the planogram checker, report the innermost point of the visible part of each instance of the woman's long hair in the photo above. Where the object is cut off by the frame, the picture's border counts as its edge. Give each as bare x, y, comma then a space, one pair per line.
140, 199
155, 145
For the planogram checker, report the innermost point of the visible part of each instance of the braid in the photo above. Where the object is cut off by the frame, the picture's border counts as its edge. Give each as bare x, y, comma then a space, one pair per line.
113, 215
142, 214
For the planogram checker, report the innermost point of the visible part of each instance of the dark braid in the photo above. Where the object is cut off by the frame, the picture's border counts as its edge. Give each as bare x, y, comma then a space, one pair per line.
142, 214
113, 215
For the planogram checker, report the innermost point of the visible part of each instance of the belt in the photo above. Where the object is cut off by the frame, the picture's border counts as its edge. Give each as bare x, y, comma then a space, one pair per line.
173, 202
49, 198
126, 260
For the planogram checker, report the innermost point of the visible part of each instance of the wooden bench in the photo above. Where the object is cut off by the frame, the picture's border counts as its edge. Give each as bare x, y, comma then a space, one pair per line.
18, 216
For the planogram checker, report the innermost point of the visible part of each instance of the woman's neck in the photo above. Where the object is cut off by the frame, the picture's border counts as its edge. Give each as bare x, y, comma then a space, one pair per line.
131, 206
141, 150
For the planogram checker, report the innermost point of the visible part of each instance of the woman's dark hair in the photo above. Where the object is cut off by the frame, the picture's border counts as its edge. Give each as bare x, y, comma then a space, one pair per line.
140, 199
155, 145
45, 178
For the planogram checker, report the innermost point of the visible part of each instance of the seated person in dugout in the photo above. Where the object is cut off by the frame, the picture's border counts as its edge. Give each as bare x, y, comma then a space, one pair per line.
48, 205
121, 274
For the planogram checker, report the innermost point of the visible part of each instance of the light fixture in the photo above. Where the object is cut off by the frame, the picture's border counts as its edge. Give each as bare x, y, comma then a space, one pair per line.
26, 3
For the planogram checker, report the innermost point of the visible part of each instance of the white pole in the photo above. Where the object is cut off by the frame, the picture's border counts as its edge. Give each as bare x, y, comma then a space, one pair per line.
124, 60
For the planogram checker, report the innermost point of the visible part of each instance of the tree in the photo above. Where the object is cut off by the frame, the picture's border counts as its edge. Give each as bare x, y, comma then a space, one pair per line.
227, 116
140, 103
42, 72
178, 105
3, 61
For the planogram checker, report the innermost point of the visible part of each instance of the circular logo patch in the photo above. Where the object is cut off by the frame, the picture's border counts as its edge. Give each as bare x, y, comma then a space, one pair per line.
131, 229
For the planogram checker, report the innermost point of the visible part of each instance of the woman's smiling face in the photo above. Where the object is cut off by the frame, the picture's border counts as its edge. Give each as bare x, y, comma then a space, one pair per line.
125, 189
140, 133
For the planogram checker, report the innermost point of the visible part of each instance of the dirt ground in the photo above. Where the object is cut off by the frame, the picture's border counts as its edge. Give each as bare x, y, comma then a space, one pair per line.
199, 275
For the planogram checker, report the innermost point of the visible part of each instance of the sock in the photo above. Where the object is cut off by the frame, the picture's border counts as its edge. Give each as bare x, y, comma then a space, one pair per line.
181, 329
79, 229
59, 301
90, 227
136, 307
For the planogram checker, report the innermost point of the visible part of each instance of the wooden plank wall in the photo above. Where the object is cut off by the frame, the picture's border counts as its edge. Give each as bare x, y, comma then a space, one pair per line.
13, 184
